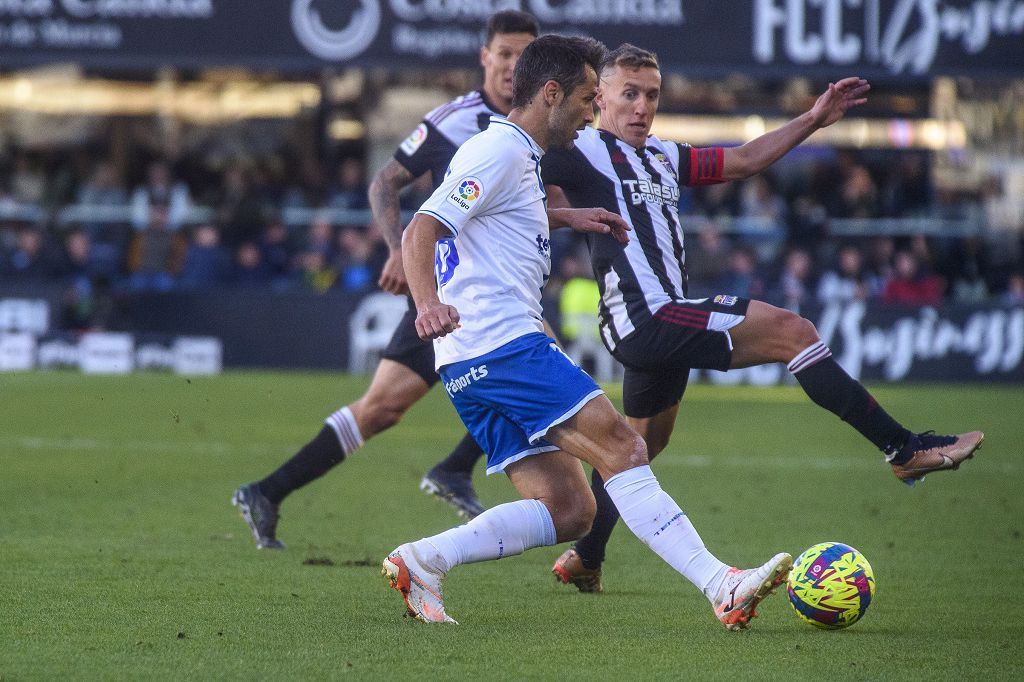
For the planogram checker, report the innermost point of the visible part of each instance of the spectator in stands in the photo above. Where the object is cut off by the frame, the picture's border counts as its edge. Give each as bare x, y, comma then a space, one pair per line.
859, 194
907, 189
807, 224
205, 264
84, 280
276, 252
795, 280
249, 269
102, 192
358, 263
27, 182
825, 180
316, 273
241, 211
29, 260
305, 185
878, 270
320, 237
578, 299
103, 188
716, 201
1014, 294
8, 240
350, 191
742, 277
759, 200
910, 285
966, 262
846, 282
707, 258
155, 253
160, 189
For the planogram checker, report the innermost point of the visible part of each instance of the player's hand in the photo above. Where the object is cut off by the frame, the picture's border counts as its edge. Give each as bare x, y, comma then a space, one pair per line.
392, 276
838, 99
436, 320
599, 221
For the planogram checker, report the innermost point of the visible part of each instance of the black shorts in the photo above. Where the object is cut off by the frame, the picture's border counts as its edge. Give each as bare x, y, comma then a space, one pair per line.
659, 354
407, 348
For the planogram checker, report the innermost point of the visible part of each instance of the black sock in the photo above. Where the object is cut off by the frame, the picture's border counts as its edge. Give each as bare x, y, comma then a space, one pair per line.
828, 385
315, 459
591, 546
463, 458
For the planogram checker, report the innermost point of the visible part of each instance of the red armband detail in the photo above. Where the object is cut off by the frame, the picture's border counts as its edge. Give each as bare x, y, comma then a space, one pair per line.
706, 165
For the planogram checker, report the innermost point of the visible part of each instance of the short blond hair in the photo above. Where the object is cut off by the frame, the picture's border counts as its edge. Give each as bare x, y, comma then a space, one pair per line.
630, 56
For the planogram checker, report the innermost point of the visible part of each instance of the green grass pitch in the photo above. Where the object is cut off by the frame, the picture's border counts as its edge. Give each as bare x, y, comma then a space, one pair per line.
121, 558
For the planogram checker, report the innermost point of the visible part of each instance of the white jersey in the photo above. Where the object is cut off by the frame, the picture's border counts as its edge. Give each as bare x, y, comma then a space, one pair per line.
493, 269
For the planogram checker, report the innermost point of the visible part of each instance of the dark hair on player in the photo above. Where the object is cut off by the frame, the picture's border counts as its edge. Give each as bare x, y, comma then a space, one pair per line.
563, 59
511, 21
630, 57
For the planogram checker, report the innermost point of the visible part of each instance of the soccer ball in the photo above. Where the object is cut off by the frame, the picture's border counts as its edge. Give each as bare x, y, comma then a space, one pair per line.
831, 585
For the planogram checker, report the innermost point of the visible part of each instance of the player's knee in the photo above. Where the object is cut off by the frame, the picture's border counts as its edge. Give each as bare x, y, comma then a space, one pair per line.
792, 334
577, 518
634, 452
572, 513
375, 416
802, 331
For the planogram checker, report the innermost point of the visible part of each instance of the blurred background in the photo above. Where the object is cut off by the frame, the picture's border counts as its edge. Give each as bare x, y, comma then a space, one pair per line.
183, 182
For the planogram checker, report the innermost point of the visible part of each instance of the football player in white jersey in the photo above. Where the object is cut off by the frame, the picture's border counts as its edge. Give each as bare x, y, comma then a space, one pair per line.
477, 255
406, 371
647, 321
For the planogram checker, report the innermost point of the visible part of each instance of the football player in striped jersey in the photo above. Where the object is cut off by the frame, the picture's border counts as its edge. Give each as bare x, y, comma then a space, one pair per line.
648, 322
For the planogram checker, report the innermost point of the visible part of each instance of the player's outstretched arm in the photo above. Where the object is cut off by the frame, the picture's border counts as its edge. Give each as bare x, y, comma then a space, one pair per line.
433, 318
383, 196
596, 220
756, 155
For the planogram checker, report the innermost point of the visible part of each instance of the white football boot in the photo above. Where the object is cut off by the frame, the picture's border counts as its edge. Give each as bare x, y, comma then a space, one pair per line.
419, 585
739, 594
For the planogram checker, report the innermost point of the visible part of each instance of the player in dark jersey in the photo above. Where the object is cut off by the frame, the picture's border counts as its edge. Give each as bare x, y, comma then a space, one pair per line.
647, 321
406, 371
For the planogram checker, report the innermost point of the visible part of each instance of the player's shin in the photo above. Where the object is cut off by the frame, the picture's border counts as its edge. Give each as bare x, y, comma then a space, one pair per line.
505, 530
591, 547
338, 438
829, 386
655, 518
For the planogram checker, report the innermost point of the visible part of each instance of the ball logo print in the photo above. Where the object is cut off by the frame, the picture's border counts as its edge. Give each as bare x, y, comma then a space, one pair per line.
469, 190
312, 21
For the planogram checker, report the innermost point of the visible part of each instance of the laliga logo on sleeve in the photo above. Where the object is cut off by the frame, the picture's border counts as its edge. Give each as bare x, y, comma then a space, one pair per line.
466, 193
415, 140
469, 190
360, 22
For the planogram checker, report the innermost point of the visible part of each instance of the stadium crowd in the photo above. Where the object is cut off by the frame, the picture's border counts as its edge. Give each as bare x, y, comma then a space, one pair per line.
263, 224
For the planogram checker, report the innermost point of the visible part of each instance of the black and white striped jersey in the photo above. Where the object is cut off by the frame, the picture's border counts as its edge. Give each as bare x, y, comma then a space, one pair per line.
638, 278
435, 140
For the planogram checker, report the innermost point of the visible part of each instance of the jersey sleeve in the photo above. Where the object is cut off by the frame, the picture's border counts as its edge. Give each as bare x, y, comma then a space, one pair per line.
480, 179
557, 168
701, 165
420, 151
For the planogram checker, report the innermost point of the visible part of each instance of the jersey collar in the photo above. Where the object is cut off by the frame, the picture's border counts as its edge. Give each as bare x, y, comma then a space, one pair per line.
520, 134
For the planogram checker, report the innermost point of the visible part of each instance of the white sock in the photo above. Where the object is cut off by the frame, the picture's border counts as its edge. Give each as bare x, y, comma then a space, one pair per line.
812, 355
505, 530
344, 424
655, 518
